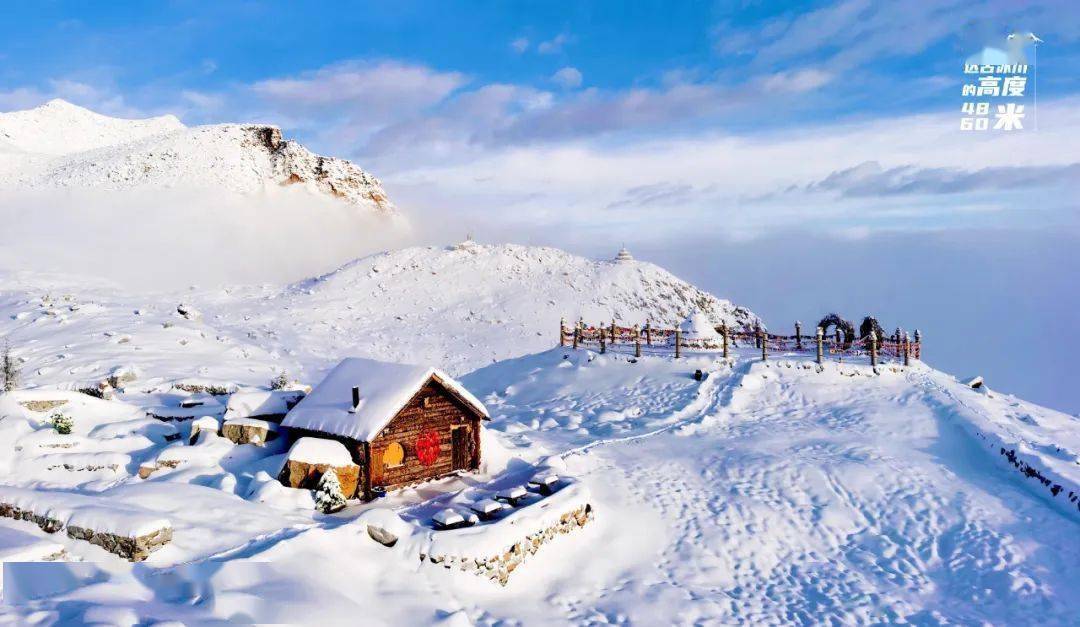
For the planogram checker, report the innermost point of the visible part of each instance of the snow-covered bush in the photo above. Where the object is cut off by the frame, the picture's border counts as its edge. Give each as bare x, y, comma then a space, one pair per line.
280, 382
328, 496
62, 423
9, 370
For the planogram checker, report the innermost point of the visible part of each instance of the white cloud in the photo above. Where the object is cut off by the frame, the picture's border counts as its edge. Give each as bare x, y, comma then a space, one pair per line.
21, 98
849, 33
374, 89
202, 100
520, 45
568, 78
807, 79
553, 45
725, 185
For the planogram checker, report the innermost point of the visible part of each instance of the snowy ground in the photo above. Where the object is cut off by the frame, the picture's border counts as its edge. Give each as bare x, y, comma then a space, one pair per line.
764, 494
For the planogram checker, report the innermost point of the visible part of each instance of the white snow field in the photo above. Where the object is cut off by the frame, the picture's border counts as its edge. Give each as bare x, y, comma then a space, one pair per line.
766, 493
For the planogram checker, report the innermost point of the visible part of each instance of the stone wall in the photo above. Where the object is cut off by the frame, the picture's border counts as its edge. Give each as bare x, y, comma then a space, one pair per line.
135, 549
499, 567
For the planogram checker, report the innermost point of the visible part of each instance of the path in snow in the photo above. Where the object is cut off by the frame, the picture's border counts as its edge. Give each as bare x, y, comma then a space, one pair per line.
766, 494
789, 495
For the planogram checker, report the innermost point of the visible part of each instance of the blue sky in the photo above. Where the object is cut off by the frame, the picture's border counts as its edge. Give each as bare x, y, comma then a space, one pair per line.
767, 135
768, 63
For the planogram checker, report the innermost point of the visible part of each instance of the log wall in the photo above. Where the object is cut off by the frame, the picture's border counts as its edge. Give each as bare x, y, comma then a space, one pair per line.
432, 410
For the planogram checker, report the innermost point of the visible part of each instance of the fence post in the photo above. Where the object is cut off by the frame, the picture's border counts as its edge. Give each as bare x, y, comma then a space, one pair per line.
637, 341
918, 344
907, 350
724, 333
562, 331
764, 340
577, 335
873, 349
820, 345
757, 335
613, 332
648, 332
798, 335
678, 341
603, 339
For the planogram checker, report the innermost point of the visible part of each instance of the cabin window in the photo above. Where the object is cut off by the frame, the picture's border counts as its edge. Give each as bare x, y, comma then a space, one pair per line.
394, 455
426, 403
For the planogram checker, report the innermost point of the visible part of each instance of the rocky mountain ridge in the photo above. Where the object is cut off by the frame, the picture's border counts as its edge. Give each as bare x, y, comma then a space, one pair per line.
62, 146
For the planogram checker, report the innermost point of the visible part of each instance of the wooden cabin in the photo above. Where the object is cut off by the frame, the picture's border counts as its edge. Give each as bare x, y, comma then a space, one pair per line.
402, 424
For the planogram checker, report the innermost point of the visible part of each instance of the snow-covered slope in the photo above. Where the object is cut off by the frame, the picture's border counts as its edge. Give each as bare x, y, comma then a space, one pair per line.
765, 493
458, 308
60, 145
463, 306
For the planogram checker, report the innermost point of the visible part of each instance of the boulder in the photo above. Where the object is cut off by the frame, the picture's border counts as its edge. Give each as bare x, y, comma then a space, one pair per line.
385, 526
205, 423
309, 458
249, 431
303, 474
121, 376
382, 536
146, 469
975, 382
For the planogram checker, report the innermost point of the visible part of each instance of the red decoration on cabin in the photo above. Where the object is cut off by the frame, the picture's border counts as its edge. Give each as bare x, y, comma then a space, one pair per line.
427, 447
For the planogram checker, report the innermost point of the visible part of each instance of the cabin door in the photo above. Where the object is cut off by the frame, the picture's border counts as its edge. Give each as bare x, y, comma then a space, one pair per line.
461, 440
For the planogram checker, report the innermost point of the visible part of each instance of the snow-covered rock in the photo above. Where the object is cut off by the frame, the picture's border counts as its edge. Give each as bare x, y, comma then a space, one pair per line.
261, 404
211, 424
319, 451
309, 458
249, 431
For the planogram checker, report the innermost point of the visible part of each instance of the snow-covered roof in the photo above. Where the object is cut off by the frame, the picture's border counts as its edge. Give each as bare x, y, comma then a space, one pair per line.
698, 327
385, 389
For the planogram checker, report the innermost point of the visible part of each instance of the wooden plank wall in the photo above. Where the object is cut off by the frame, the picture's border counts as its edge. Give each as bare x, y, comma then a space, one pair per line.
442, 412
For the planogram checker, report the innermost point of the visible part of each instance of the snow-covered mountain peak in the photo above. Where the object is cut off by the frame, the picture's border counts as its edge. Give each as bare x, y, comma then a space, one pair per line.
629, 290
59, 127
61, 145
503, 300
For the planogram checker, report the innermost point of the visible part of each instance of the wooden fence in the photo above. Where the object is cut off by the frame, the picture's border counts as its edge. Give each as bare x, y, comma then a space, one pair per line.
898, 346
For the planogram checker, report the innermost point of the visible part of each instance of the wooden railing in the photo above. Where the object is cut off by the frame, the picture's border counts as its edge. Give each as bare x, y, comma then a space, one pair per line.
898, 346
